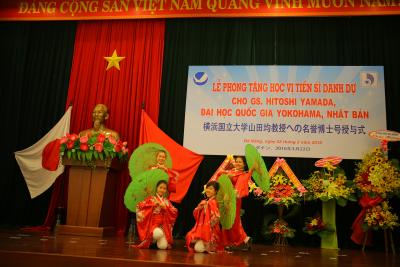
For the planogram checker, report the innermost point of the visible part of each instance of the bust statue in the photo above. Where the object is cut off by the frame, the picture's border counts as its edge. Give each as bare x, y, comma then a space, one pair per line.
99, 115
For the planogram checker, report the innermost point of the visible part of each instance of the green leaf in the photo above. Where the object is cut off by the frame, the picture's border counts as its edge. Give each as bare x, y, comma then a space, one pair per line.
101, 156
76, 144
90, 154
290, 234
341, 201
83, 156
324, 198
323, 233
352, 198
106, 153
108, 146
96, 155
92, 140
69, 154
63, 147
364, 227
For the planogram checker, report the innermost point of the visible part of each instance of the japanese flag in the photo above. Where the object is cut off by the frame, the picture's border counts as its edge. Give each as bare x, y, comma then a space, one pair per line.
37, 178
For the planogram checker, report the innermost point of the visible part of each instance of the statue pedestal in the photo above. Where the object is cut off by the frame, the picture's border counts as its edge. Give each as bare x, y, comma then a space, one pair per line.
91, 198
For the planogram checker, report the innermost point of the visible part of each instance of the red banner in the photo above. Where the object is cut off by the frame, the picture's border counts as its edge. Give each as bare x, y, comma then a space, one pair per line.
141, 9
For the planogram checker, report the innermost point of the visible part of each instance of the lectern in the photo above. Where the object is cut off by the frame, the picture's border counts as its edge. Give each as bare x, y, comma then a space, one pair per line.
91, 198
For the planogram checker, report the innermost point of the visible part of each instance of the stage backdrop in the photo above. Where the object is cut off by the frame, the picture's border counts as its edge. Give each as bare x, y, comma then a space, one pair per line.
295, 111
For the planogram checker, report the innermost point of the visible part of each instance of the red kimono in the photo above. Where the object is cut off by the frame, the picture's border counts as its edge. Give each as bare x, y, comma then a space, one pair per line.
207, 226
149, 215
236, 235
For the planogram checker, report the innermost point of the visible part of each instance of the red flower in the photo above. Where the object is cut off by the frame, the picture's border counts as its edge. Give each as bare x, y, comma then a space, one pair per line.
117, 147
112, 140
258, 191
73, 137
280, 191
84, 139
101, 138
98, 147
84, 147
63, 140
365, 175
70, 144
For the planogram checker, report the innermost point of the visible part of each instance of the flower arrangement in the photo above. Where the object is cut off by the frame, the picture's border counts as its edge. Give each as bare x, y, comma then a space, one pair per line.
330, 183
281, 228
282, 191
90, 148
380, 217
315, 225
376, 175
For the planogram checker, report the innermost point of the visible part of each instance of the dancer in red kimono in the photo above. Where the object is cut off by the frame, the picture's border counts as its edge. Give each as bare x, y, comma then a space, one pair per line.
236, 236
205, 236
161, 156
155, 218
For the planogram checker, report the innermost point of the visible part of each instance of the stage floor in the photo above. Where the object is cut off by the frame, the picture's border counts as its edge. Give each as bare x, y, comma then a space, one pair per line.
33, 249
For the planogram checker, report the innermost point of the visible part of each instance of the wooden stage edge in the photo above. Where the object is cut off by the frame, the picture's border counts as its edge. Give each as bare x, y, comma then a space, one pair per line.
43, 249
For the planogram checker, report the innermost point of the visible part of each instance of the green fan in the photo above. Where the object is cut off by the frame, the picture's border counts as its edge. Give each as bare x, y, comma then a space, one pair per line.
142, 186
144, 157
260, 173
226, 198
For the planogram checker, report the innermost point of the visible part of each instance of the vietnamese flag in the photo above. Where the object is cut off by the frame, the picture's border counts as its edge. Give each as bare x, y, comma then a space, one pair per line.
117, 63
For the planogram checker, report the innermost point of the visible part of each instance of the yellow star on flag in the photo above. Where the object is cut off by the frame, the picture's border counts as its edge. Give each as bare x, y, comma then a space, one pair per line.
113, 61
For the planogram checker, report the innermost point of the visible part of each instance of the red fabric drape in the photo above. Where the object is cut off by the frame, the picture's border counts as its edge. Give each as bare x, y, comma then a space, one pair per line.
366, 202
184, 161
124, 91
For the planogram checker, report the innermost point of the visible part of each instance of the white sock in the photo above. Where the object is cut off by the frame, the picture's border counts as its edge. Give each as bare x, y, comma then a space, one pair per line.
162, 243
158, 233
199, 246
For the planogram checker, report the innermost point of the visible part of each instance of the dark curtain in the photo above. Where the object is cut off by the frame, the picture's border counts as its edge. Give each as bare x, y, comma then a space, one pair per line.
281, 41
36, 63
